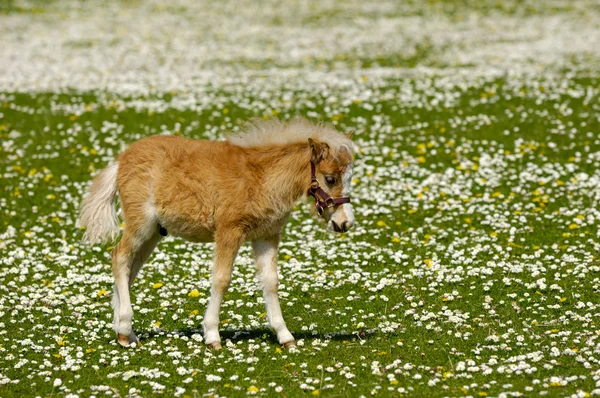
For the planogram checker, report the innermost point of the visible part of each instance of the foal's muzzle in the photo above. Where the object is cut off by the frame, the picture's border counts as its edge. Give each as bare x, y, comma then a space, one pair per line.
343, 227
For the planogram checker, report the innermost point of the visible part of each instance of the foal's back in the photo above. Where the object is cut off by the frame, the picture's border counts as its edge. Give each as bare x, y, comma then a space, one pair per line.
181, 183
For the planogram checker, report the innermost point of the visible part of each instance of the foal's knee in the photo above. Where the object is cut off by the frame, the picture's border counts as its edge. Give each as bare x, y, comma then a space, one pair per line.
269, 282
221, 281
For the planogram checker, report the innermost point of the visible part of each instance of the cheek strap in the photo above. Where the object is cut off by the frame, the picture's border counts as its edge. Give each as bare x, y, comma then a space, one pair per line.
322, 198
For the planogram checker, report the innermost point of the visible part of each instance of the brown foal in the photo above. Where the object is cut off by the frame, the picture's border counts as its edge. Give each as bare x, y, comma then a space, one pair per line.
229, 192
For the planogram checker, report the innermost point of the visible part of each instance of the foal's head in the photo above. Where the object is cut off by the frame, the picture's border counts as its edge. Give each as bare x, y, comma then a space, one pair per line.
334, 174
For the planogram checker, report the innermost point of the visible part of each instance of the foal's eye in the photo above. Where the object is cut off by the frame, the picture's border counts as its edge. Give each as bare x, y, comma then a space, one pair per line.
330, 180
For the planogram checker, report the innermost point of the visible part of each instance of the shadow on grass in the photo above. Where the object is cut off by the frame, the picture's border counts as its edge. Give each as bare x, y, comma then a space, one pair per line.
262, 334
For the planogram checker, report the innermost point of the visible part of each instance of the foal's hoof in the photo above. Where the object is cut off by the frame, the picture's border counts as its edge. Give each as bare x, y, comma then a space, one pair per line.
290, 345
125, 341
216, 346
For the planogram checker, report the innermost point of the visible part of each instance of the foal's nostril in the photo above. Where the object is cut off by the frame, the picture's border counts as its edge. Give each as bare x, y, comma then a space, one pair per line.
344, 226
336, 227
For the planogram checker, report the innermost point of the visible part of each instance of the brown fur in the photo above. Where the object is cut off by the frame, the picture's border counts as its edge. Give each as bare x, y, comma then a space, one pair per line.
210, 191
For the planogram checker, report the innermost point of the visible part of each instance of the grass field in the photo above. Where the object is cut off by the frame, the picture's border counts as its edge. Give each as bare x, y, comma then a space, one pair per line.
473, 270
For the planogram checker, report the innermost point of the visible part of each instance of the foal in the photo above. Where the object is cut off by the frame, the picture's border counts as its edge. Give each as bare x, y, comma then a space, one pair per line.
229, 192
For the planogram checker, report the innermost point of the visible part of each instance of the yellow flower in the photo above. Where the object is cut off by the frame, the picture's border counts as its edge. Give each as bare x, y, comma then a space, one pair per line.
394, 382
573, 226
253, 389
421, 159
101, 292
381, 223
315, 393
194, 293
157, 285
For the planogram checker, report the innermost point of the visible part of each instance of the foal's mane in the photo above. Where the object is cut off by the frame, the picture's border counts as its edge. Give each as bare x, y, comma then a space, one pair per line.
260, 132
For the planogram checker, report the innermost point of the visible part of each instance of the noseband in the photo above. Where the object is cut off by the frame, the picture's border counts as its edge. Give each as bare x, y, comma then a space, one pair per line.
322, 198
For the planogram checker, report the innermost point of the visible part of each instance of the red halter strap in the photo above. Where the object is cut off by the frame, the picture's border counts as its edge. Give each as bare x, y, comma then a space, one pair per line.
322, 198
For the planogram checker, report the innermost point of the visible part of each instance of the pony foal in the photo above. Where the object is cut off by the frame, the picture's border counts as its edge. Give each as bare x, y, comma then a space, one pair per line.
229, 192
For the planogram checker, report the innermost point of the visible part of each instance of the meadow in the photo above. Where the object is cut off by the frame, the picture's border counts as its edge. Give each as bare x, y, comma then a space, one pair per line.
473, 269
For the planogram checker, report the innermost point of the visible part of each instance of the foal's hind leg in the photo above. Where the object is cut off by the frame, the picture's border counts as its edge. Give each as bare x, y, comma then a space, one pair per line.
227, 245
265, 252
128, 257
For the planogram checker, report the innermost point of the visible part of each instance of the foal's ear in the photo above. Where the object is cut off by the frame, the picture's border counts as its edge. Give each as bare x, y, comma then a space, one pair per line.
319, 150
350, 134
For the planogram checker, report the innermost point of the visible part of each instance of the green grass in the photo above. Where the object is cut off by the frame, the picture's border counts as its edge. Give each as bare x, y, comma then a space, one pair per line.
63, 310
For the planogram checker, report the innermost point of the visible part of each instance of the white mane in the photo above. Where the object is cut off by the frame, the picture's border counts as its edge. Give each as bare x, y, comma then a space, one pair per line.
260, 132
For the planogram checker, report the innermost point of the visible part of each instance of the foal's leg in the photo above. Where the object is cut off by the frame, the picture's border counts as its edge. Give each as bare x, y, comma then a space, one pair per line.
143, 254
128, 257
265, 252
226, 247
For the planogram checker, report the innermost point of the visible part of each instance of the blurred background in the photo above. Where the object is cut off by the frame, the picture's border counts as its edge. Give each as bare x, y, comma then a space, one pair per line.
140, 46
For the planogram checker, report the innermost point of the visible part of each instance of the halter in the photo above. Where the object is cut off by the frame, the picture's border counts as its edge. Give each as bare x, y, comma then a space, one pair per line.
322, 198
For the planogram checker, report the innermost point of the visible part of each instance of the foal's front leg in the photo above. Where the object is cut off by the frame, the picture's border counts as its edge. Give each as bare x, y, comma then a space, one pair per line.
265, 252
226, 248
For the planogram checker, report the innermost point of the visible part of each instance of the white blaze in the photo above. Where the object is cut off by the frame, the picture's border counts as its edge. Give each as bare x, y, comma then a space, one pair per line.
344, 213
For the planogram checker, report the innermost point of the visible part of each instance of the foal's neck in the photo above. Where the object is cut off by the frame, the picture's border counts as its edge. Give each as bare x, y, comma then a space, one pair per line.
285, 173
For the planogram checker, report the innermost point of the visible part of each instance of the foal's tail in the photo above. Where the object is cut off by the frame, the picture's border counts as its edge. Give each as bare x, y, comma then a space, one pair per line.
98, 213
